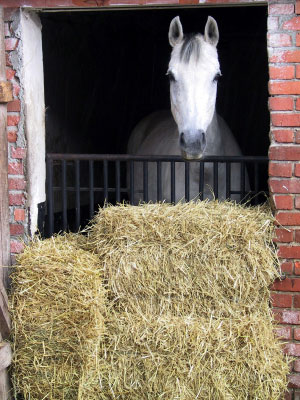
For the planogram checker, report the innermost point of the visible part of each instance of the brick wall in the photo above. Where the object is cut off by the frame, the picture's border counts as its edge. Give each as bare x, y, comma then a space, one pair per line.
16, 140
284, 171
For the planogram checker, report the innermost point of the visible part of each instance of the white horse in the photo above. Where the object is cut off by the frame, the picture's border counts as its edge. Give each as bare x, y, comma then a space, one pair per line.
195, 130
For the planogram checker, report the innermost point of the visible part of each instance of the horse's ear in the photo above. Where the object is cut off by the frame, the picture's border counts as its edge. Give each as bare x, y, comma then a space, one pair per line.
175, 31
211, 33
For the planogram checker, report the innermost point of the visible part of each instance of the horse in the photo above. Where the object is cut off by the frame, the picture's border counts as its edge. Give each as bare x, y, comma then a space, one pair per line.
192, 129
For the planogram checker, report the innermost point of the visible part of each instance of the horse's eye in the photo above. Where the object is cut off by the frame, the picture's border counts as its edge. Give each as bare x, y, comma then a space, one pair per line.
217, 77
171, 76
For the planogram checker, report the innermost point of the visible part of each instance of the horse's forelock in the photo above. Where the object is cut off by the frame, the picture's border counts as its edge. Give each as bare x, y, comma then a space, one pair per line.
190, 46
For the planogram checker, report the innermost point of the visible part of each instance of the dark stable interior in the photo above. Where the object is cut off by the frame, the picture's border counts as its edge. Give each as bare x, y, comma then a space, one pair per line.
104, 71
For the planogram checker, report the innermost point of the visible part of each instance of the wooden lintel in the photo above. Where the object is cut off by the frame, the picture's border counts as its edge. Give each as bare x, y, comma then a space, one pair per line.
4, 315
6, 92
5, 355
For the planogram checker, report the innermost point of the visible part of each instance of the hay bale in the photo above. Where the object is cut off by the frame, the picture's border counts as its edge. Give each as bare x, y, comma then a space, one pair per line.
189, 312
57, 308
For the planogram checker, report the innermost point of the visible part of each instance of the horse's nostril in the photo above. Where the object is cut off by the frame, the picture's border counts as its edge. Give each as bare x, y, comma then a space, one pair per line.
182, 141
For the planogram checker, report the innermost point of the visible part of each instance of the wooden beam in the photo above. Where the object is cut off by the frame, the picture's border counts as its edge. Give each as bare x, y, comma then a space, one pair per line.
5, 355
6, 93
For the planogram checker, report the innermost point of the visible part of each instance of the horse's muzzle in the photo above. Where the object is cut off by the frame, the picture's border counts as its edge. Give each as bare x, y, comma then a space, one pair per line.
192, 144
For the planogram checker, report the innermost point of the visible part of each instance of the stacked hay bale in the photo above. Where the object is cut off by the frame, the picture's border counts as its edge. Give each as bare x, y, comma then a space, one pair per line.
182, 291
57, 308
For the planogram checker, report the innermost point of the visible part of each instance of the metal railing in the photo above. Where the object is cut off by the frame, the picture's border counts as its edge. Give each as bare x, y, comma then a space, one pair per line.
77, 184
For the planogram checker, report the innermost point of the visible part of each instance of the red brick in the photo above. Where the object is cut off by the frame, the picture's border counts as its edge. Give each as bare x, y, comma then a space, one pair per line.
10, 73
297, 237
15, 168
14, 106
297, 170
297, 136
280, 169
18, 152
12, 136
279, 9
287, 317
287, 119
294, 381
297, 272
288, 218
272, 23
283, 135
289, 395
297, 202
289, 252
16, 184
287, 268
297, 9
284, 153
283, 332
297, 365
19, 214
297, 333
287, 284
279, 40
284, 185
292, 24
16, 247
7, 60
283, 202
292, 349
16, 199
6, 29
298, 71
285, 56
11, 44
281, 103
298, 39
16, 229
13, 120
285, 87
287, 72
16, 89
283, 235
297, 301
281, 300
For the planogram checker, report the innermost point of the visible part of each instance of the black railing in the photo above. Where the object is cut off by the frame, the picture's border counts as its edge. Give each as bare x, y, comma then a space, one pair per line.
77, 184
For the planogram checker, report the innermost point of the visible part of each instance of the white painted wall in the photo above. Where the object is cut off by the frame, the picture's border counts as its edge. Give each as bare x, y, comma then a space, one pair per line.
34, 111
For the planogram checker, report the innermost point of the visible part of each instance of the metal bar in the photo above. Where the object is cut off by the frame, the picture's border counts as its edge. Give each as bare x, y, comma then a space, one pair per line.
64, 194
201, 180
187, 181
173, 183
131, 181
228, 180
159, 188
77, 195
118, 183
50, 200
145, 181
216, 179
105, 180
91, 188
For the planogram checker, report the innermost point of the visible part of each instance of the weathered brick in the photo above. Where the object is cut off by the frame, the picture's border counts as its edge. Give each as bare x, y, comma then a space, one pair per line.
296, 365
285, 87
297, 136
292, 24
298, 71
16, 89
283, 235
294, 381
290, 317
280, 169
18, 152
288, 218
297, 301
297, 333
16, 184
297, 170
16, 247
283, 332
19, 214
287, 119
10, 73
273, 23
11, 136
286, 72
284, 153
285, 56
281, 300
6, 29
297, 272
16, 229
297, 202
287, 285
297, 237
279, 9
287, 267
283, 135
283, 202
13, 120
281, 103
16, 199
14, 106
15, 168
7, 60
11, 44
284, 185
289, 252
298, 39
292, 349
279, 40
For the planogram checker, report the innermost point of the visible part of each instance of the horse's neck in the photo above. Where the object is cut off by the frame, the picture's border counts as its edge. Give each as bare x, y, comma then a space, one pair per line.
214, 137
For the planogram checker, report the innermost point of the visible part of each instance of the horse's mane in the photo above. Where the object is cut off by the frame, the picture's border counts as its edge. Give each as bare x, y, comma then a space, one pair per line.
191, 45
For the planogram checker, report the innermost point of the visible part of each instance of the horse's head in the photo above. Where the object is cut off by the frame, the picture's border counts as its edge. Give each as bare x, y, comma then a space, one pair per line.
193, 71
